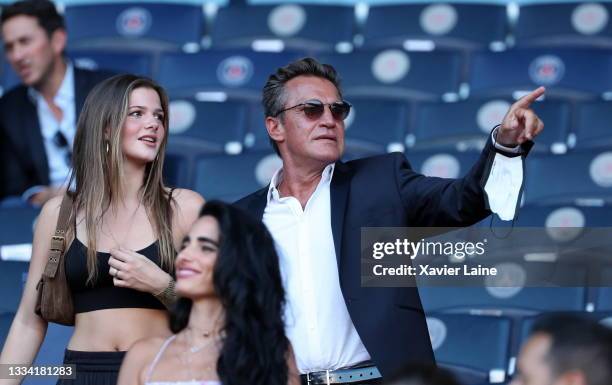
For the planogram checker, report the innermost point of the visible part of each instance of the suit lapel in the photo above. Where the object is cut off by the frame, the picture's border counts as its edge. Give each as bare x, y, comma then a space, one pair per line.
338, 198
257, 205
35, 141
80, 91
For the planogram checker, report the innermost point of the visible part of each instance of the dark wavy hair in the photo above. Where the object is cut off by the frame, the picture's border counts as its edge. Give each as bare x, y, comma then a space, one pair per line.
247, 280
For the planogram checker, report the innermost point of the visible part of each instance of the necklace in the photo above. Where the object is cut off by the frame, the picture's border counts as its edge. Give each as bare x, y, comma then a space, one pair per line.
186, 358
127, 233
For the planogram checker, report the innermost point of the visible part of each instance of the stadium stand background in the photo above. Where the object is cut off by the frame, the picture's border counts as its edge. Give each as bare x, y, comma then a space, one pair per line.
427, 78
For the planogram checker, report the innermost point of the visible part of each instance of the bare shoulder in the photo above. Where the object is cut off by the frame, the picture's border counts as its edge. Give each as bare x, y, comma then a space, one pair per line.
187, 199
138, 358
50, 210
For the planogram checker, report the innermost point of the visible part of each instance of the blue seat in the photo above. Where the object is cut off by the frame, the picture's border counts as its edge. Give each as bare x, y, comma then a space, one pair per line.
603, 294
456, 26
399, 74
308, 27
231, 177
6, 318
564, 215
376, 125
567, 179
135, 25
177, 169
475, 347
234, 73
217, 126
571, 23
13, 276
17, 225
257, 138
467, 125
592, 128
567, 73
120, 62
509, 300
444, 164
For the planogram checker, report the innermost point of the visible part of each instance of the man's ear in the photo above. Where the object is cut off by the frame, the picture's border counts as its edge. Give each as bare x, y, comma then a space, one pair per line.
275, 128
58, 41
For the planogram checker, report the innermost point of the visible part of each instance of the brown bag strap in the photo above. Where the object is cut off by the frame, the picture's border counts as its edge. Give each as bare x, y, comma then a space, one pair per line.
58, 240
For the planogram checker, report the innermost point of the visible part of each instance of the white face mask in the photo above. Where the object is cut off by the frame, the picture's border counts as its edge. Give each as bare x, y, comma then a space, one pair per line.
504, 185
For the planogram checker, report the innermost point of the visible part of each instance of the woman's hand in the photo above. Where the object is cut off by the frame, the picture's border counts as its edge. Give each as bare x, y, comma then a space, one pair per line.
135, 271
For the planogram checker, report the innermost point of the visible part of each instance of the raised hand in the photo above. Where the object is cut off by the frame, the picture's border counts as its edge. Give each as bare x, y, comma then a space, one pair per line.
520, 123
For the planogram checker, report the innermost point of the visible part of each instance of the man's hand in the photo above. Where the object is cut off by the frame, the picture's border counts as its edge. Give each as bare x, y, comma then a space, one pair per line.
520, 123
45, 194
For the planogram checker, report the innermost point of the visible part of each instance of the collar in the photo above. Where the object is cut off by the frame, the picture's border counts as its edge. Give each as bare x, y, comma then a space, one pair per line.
273, 193
66, 90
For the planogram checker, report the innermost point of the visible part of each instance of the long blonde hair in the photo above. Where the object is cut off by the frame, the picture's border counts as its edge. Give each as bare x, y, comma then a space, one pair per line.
98, 166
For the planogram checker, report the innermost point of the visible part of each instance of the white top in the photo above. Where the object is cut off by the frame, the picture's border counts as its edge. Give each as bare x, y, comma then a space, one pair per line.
156, 360
317, 321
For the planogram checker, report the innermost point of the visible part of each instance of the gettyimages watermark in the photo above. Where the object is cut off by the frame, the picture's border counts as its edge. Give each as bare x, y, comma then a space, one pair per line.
482, 256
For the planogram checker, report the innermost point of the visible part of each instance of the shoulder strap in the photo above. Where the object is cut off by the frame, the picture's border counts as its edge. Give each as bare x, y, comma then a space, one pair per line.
158, 356
58, 240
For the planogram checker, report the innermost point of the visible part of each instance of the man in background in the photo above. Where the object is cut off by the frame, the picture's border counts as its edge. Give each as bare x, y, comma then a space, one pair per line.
38, 117
566, 350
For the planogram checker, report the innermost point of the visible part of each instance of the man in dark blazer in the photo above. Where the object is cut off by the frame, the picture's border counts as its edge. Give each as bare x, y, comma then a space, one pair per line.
34, 39
316, 205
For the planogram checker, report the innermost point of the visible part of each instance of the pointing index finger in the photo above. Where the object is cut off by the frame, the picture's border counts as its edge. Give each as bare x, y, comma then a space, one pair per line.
526, 100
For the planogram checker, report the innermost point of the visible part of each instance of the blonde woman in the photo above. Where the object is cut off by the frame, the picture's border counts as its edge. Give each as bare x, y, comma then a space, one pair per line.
126, 226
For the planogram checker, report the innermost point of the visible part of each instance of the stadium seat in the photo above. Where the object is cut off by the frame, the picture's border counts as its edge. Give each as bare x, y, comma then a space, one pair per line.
444, 164
231, 177
17, 226
570, 23
146, 26
257, 136
6, 318
177, 169
564, 216
376, 125
219, 126
466, 125
399, 74
220, 74
307, 27
509, 300
567, 73
576, 177
592, 125
455, 26
475, 348
603, 294
119, 62
13, 275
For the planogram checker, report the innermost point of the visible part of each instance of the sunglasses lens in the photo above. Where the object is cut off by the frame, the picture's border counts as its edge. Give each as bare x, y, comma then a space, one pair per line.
313, 110
340, 110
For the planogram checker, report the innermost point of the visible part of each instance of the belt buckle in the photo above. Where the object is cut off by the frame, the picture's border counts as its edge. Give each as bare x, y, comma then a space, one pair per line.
327, 377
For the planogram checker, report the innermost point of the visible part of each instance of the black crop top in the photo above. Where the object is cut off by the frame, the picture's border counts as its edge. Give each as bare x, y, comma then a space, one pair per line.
103, 294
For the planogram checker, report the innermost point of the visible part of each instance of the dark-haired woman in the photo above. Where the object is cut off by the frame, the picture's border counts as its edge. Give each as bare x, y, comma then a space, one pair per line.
125, 226
228, 321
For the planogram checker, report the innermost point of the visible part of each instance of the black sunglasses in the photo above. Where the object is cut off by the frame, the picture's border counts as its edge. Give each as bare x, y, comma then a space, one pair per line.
314, 108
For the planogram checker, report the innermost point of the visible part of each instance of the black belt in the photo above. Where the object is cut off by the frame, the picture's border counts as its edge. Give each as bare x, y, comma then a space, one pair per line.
341, 376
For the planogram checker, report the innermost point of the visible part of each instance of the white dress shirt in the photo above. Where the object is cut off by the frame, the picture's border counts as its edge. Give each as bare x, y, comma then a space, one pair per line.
316, 317
59, 168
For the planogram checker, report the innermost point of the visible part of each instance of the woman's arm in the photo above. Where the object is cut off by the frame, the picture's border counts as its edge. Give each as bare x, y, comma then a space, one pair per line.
28, 330
135, 271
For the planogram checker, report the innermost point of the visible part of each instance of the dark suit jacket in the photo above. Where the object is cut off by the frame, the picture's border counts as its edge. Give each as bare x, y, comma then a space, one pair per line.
385, 191
23, 160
